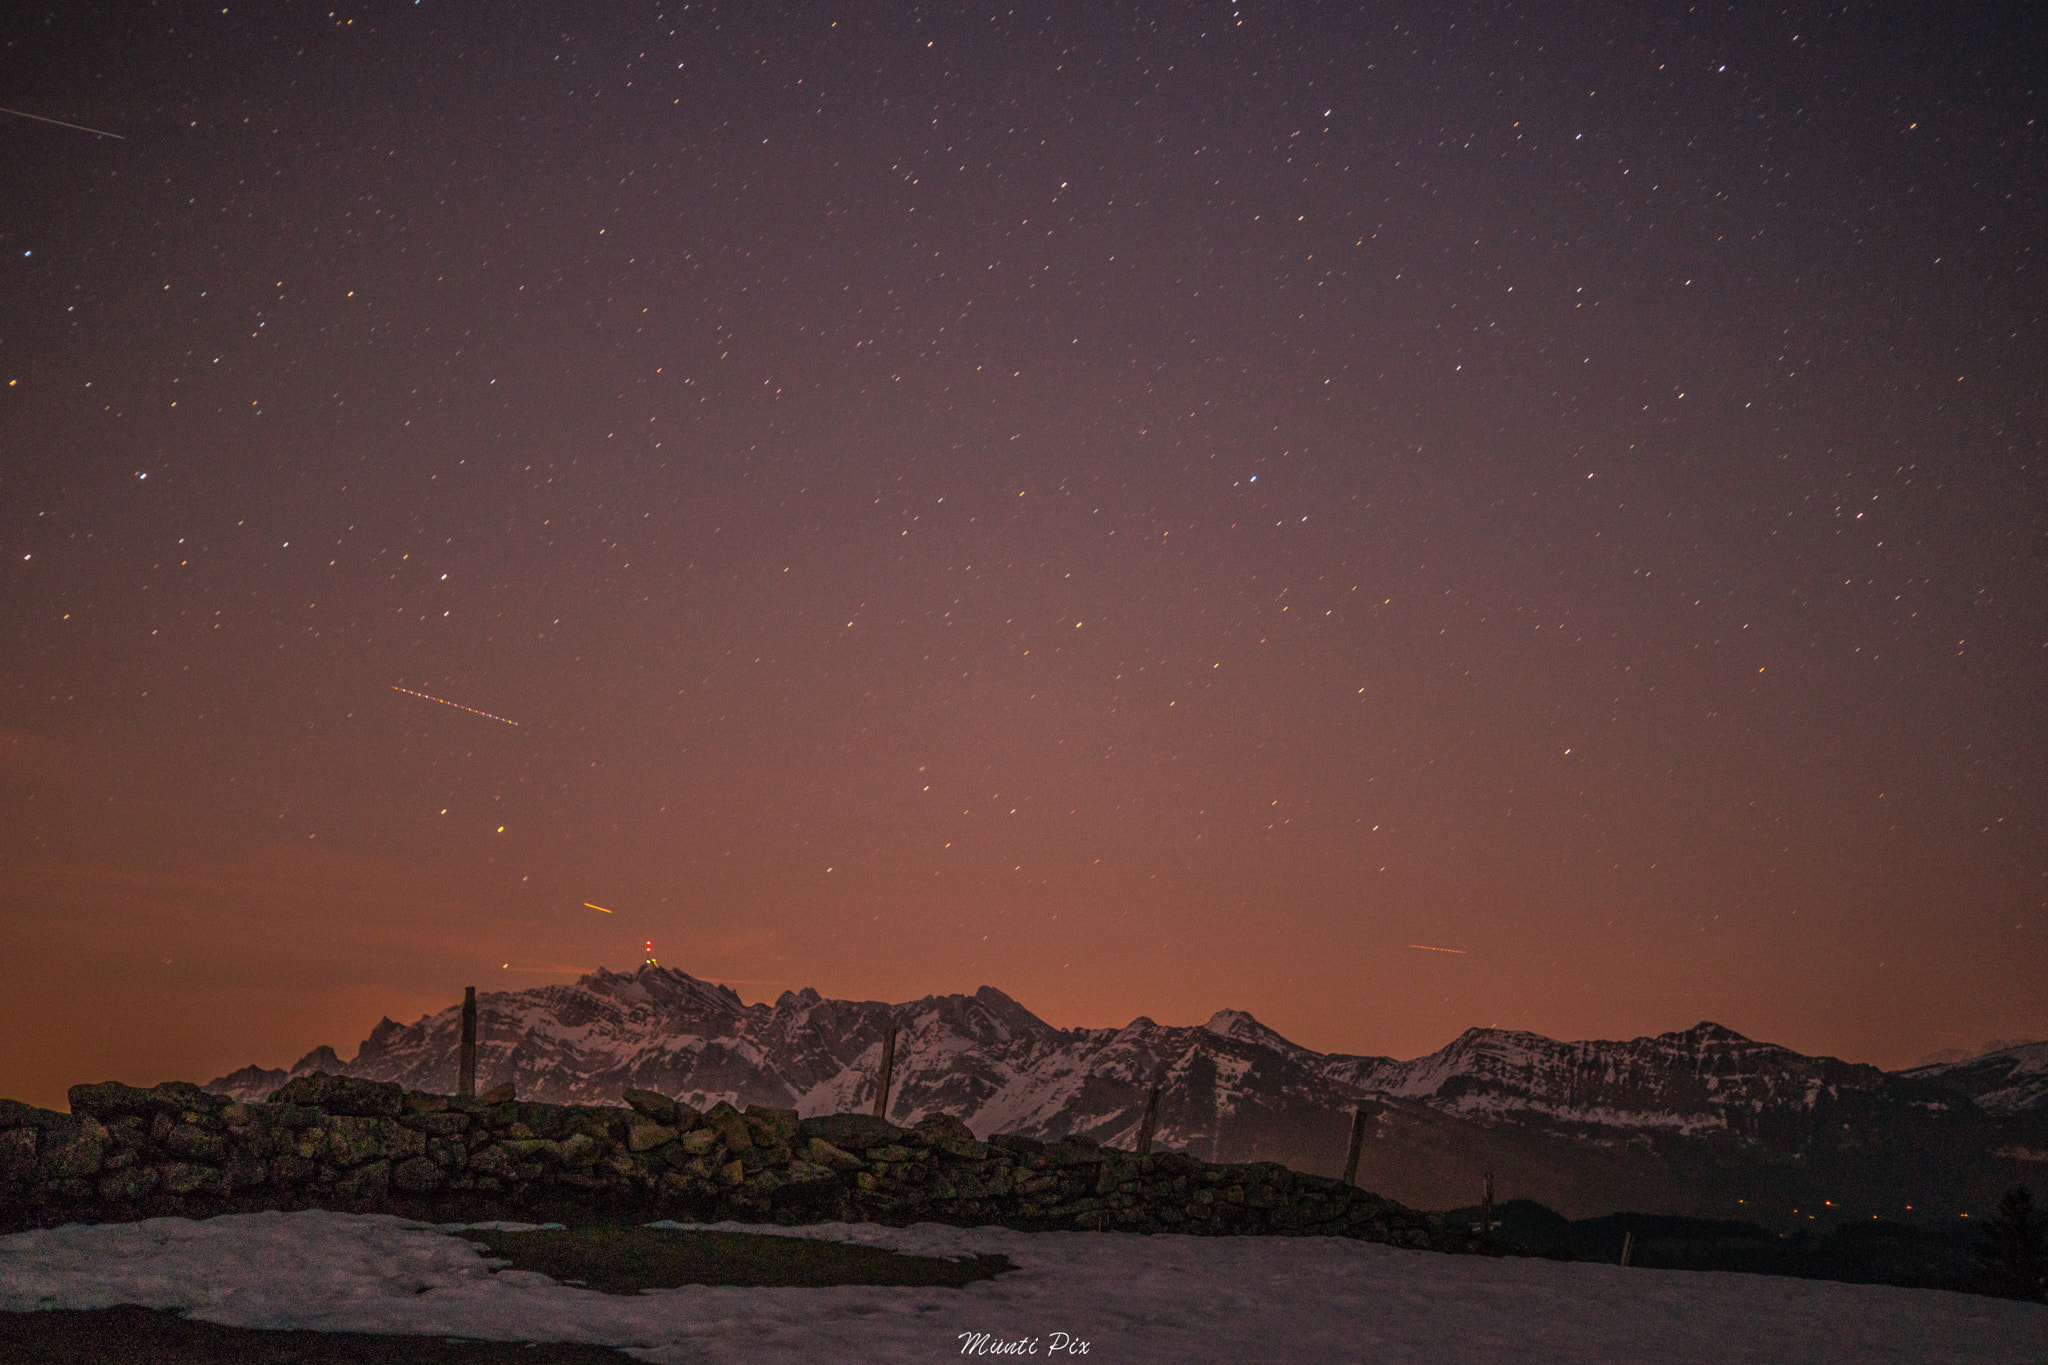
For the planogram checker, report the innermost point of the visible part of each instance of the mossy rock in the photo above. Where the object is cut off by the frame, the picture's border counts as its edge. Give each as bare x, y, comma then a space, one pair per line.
342, 1095
110, 1099
771, 1127
853, 1131
73, 1150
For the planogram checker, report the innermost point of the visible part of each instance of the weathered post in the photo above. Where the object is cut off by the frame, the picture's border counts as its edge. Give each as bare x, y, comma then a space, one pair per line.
1149, 1125
465, 1073
1357, 1146
882, 1081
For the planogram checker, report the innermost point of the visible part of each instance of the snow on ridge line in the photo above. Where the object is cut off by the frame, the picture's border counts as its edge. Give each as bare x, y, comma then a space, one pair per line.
1597, 1116
991, 1062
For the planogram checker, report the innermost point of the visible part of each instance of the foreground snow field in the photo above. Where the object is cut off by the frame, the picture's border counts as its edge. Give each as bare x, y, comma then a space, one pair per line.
1111, 1296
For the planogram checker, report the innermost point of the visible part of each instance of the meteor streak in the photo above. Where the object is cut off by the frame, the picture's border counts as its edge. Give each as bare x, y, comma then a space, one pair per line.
1427, 949
456, 704
597, 907
96, 132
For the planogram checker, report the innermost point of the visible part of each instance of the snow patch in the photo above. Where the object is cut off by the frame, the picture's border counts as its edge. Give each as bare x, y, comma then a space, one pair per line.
1131, 1298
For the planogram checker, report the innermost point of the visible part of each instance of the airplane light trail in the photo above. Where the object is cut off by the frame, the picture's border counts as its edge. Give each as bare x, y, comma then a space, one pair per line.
1427, 949
96, 132
456, 704
597, 907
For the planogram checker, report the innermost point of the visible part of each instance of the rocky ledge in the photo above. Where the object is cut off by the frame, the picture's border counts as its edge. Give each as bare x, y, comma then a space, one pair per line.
336, 1142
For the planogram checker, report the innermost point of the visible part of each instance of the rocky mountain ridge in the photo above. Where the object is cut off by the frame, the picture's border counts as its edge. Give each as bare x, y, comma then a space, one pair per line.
2007, 1080
1704, 1109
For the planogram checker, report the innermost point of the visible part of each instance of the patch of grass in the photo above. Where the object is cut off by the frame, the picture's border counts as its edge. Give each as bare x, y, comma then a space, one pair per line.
128, 1335
626, 1260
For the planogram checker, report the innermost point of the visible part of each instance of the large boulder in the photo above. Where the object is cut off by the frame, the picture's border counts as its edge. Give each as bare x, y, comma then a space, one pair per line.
771, 1126
15, 1114
72, 1149
187, 1098
852, 1131
107, 1100
17, 1154
645, 1137
951, 1136
653, 1105
343, 1095
346, 1140
731, 1127
111, 1099
189, 1142
822, 1153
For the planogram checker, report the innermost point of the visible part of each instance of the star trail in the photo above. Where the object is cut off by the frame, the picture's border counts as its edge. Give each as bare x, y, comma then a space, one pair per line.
443, 701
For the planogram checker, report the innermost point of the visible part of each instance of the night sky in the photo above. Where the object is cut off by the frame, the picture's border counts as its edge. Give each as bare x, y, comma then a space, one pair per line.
1153, 507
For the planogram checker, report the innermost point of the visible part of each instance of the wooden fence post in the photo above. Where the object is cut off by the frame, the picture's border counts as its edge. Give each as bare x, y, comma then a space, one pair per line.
882, 1082
1150, 1124
1357, 1146
465, 1073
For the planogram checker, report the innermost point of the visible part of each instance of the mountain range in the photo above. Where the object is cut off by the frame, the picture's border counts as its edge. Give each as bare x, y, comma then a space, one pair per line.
1703, 1122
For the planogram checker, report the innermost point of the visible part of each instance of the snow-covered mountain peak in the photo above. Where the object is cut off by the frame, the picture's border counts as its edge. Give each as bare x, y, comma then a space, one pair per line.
2031, 1057
2011, 1079
321, 1058
1229, 1085
663, 989
1707, 1032
1240, 1026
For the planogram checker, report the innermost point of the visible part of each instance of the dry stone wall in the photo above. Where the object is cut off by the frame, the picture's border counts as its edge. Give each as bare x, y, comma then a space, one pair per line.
337, 1142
